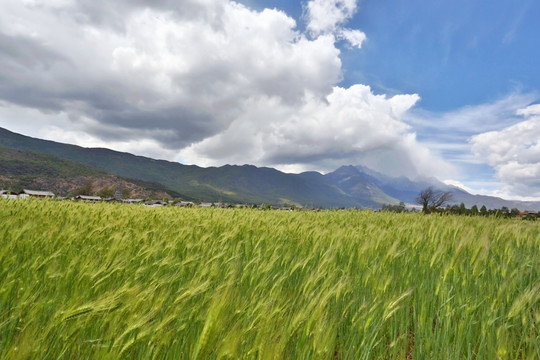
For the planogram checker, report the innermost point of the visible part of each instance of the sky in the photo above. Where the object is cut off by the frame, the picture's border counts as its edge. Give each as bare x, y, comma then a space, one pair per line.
447, 89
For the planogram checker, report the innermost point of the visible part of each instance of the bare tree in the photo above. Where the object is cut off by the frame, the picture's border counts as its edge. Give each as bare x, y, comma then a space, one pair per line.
431, 199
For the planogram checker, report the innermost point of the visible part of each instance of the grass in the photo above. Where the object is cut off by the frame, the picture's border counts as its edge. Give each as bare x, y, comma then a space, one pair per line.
107, 281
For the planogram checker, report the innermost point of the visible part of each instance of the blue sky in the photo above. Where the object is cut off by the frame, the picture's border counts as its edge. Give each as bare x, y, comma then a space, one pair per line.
455, 54
417, 88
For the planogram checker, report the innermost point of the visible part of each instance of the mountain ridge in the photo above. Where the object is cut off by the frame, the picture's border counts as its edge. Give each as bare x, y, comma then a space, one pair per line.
21, 169
347, 186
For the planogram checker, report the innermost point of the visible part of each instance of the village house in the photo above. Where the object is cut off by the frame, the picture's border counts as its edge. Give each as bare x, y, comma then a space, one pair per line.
87, 198
6, 194
184, 204
221, 205
206, 205
35, 194
133, 201
156, 203
527, 215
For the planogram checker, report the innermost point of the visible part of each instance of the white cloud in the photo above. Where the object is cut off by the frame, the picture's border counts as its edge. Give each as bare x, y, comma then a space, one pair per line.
207, 82
354, 37
490, 188
489, 143
474, 118
348, 126
460, 185
448, 133
514, 152
529, 110
328, 16
189, 76
325, 16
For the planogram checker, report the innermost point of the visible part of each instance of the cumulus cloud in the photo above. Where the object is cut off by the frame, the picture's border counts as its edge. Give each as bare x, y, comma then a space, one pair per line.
354, 37
348, 126
203, 81
448, 133
460, 185
529, 110
514, 152
328, 16
183, 76
473, 119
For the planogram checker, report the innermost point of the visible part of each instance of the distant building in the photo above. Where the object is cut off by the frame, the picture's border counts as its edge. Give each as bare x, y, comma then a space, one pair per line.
6, 194
35, 194
185, 204
156, 203
133, 201
221, 205
527, 214
87, 198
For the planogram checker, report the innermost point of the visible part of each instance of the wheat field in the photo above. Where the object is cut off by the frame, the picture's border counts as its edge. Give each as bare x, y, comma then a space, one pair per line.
112, 281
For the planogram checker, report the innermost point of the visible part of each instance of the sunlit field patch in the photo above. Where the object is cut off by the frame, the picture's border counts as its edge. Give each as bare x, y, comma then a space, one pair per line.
113, 281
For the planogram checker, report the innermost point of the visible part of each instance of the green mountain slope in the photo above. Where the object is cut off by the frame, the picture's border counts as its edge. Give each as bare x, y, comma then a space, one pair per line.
24, 163
239, 184
348, 186
24, 169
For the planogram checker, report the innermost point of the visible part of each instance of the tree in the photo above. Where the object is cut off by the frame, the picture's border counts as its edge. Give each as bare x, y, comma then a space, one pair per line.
431, 199
455, 209
86, 189
106, 192
126, 193
474, 210
395, 208
483, 210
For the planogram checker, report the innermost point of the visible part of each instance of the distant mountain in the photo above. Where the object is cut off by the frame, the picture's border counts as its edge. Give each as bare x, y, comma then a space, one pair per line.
401, 188
230, 183
24, 169
359, 185
407, 190
348, 186
491, 202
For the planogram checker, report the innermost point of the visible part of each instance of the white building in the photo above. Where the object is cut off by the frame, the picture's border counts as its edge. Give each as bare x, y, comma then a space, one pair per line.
36, 194
6, 194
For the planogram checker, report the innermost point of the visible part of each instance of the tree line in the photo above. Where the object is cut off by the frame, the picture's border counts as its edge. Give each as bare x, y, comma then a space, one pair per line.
432, 201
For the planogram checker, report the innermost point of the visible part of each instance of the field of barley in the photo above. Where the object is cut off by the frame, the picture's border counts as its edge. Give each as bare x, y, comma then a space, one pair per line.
112, 281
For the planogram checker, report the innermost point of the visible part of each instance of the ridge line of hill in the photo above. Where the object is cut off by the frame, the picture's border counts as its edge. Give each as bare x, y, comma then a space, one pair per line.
348, 186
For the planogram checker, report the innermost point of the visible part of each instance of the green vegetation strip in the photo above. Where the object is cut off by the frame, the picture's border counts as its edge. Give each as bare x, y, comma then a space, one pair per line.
110, 281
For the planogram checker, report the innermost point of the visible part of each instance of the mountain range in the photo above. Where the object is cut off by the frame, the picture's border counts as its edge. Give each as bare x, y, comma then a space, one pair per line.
25, 159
